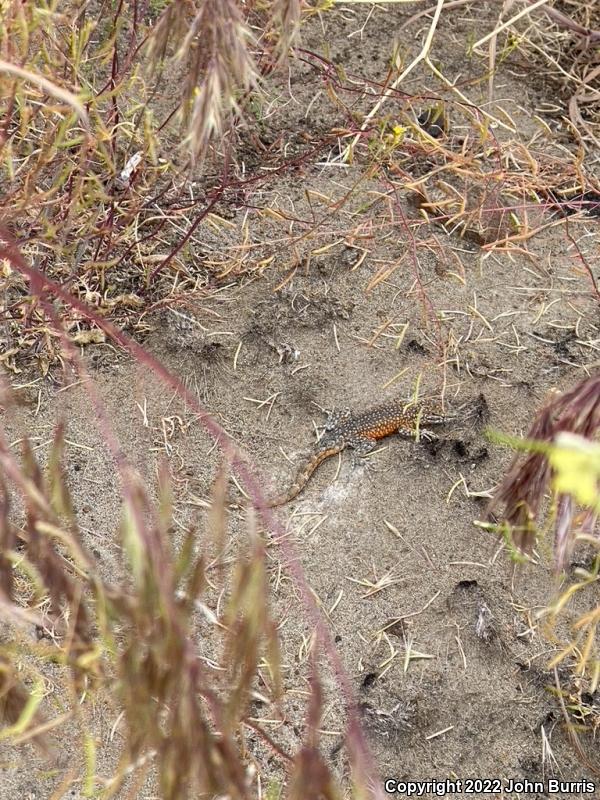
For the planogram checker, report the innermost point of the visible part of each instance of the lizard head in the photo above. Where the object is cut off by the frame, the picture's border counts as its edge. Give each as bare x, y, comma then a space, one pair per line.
431, 411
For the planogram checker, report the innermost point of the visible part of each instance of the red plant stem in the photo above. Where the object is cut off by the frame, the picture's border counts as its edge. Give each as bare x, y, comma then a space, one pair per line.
363, 759
426, 300
220, 191
218, 195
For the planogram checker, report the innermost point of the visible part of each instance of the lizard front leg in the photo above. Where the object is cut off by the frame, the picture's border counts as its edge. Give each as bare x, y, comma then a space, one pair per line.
336, 418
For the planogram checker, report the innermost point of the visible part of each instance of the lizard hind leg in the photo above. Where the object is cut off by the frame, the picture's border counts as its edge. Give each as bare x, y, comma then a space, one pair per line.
361, 447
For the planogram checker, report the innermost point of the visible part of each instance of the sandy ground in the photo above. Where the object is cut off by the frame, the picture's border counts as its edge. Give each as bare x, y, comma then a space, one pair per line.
437, 634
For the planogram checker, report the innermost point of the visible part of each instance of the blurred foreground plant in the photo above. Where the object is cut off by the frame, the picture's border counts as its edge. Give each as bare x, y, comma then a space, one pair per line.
546, 464
138, 641
145, 540
556, 480
219, 43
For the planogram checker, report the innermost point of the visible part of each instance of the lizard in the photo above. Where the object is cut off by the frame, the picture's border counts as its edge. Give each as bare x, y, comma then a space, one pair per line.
362, 431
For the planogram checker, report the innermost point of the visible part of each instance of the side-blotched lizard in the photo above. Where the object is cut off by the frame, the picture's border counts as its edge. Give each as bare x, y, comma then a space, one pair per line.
361, 432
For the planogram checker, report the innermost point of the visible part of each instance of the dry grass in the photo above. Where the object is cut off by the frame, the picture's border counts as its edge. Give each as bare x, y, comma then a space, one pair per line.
119, 191
95, 186
101, 197
137, 637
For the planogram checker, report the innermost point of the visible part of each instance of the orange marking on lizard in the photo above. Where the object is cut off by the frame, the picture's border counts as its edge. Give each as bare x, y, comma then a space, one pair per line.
361, 433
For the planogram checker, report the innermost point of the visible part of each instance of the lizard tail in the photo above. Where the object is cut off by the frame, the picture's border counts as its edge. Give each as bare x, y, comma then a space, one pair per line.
286, 497
302, 478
